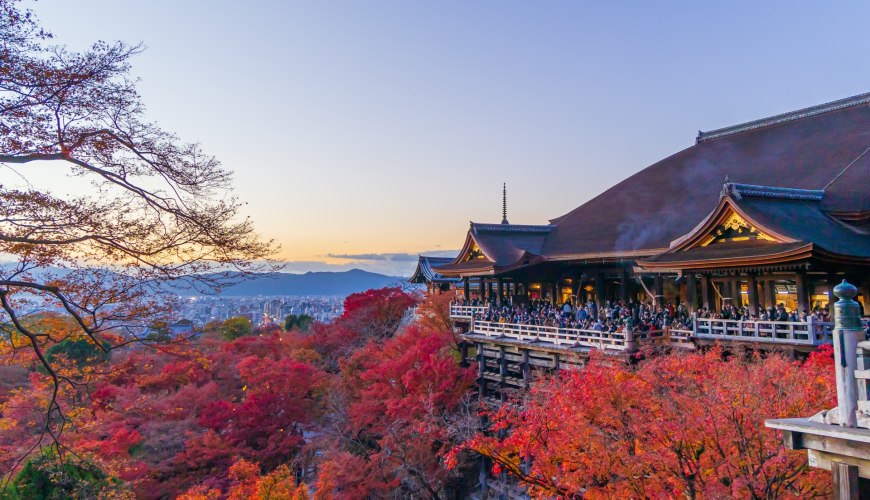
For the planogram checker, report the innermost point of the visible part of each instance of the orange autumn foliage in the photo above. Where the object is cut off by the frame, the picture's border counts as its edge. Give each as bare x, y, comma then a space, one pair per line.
687, 425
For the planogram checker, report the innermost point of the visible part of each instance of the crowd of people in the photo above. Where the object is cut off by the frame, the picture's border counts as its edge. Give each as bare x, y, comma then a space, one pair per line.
620, 316
613, 316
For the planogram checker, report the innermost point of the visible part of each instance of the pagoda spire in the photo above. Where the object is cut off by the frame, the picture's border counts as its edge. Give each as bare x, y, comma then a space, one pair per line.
504, 204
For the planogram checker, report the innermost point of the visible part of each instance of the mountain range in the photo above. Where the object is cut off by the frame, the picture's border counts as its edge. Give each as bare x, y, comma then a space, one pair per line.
310, 283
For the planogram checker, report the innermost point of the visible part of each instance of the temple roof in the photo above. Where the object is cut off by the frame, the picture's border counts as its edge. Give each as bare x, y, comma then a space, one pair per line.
755, 225
425, 274
491, 248
818, 149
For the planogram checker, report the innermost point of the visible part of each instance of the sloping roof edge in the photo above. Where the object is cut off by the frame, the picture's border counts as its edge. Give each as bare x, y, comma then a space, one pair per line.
785, 117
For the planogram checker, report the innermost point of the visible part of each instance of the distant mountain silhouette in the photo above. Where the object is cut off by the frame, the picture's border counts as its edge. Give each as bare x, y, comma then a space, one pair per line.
310, 283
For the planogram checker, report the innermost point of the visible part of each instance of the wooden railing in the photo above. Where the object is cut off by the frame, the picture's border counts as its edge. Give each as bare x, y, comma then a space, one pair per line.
782, 332
786, 332
466, 312
573, 337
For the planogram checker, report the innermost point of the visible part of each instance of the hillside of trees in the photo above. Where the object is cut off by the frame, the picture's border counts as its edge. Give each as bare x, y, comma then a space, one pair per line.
369, 407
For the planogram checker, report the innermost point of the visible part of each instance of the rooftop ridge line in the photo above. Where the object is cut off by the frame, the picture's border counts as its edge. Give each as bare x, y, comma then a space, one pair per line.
511, 228
785, 117
757, 191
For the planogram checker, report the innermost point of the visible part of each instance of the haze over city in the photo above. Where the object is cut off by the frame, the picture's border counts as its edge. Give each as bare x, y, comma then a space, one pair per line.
363, 133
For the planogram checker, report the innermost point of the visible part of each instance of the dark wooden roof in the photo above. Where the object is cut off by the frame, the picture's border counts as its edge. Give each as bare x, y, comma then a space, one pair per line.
820, 150
789, 172
792, 219
424, 273
503, 247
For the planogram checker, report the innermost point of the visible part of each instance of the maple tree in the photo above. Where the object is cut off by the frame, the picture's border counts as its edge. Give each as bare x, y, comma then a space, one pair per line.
157, 209
688, 425
403, 404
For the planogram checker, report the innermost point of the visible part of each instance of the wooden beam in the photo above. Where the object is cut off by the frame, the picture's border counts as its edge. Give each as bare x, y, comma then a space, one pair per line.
845, 481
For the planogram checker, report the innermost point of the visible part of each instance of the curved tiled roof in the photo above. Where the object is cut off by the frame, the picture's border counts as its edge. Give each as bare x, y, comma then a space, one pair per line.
425, 274
823, 148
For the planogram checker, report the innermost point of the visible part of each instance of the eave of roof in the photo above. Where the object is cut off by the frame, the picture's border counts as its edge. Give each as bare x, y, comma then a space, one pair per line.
725, 255
425, 272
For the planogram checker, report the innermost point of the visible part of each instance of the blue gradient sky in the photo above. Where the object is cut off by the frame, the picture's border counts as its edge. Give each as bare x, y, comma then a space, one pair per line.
385, 126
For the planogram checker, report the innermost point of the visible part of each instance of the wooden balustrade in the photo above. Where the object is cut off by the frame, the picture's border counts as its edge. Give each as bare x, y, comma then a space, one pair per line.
783, 332
466, 312
787, 332
562, 336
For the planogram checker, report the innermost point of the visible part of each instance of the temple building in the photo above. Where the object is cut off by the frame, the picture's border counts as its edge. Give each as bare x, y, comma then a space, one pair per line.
435, 282
773, 211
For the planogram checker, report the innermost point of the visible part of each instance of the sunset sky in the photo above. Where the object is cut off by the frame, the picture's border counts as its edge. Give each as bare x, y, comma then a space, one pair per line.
364, 132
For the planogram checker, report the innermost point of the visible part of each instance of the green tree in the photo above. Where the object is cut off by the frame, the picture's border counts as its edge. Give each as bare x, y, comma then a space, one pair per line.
46, 477
300, 321
81, 352
234, 328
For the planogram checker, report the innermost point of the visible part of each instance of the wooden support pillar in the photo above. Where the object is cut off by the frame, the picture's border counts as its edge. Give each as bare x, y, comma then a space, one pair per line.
500, 298
865, 293
833, 280
600, 291
481, 289
659, 291
725, 289
502, 373
527, 368
771, 293
554, 293
736, 293
691, 293
556, 361
465, 289
463, 352
752, 285
845, 478
481, 367
800, 281
706, 290
624, 285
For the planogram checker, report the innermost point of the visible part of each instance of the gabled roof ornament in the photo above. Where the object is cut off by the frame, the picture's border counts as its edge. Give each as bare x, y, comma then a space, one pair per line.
728, 189
504, 219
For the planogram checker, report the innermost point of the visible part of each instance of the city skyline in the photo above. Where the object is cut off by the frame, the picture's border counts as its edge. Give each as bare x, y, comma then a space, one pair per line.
361, 135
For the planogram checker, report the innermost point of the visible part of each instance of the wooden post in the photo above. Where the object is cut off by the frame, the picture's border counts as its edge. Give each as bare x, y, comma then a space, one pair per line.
800, 282
736, 296
600, 290
466, 293
481, 366
752, 284
555, 361
659, 291
725, 290
463, 353
691, 293
481, 290
624, 284
847, 333
526, 369
554, 291
771, 293
502, 373
500, 291
845, 481
865, 294
705, 291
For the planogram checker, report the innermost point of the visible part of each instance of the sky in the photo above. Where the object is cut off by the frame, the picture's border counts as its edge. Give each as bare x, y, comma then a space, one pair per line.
362, 133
